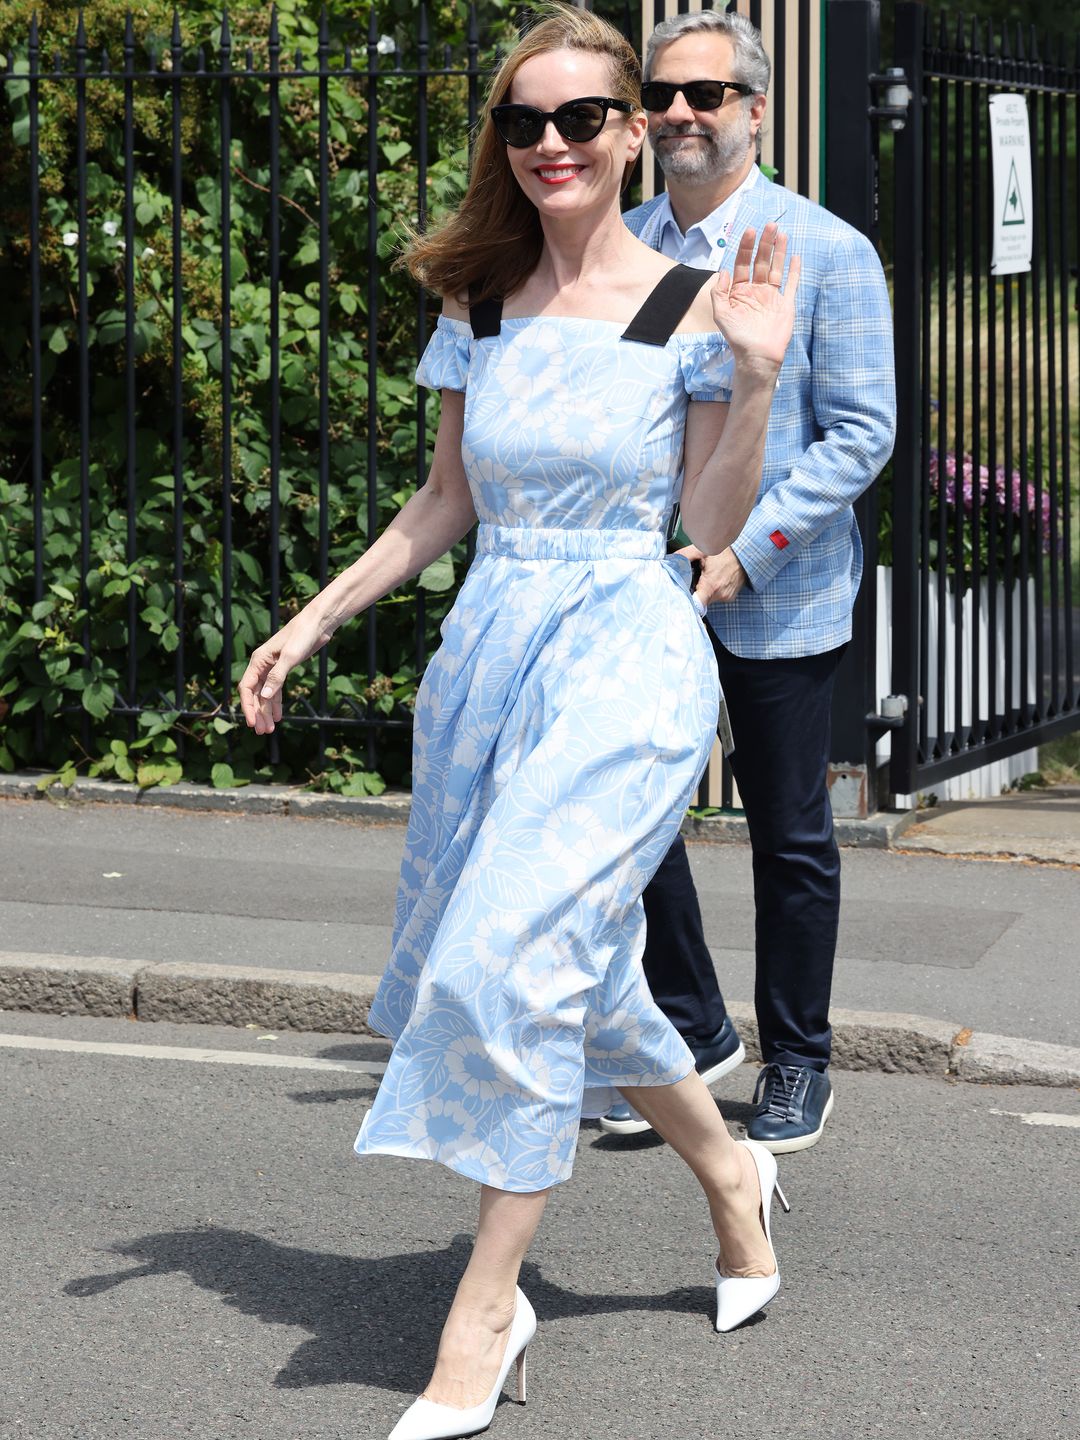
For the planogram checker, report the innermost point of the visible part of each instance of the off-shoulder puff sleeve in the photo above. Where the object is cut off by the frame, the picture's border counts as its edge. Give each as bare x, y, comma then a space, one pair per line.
708, 366
444, 364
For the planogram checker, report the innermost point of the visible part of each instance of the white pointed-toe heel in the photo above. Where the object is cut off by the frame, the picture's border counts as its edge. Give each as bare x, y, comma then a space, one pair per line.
738, 1297
424, 1420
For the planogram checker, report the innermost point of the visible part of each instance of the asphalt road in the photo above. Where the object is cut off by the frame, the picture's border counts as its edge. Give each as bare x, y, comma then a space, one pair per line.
192, 1249
984, 944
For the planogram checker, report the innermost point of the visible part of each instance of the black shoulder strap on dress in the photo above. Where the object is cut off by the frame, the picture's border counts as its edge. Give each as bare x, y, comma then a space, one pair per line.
665, 306
485, 316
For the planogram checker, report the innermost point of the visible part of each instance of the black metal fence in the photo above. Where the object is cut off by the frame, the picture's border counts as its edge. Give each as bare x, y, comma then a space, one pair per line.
329, 246
986, 612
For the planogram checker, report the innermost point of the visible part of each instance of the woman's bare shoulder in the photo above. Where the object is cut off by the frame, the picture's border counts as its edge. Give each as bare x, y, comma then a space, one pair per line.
454, 309
699, 315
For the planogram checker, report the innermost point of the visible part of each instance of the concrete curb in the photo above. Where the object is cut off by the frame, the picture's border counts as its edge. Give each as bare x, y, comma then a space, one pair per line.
393, 805
879, 831
1041, 852
310, 1000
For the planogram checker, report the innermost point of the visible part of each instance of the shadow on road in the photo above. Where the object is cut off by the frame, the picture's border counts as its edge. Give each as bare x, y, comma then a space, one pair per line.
371, 1320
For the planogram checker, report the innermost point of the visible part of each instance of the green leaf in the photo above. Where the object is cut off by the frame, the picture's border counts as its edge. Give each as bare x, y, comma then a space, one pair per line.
98, 698
62, 590
222, 726
222, 777
58, 340
439, 575
363, 782
27, 700
396, 150
167, 772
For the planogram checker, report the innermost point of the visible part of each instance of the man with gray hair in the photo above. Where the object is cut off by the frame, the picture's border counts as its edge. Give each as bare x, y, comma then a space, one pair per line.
780, 597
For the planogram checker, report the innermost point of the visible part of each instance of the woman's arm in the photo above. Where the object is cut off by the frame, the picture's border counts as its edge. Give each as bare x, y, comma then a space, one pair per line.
725, 444
431, 521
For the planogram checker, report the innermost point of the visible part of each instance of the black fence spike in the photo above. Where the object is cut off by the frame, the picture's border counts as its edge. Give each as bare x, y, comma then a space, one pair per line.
225, 43
372, 29
129, 31
961, 28
58, 62
152, 58
976, 36
200, 61
177, 39
33, 32
1004, 49
249, 59
298, 59
347, 57
275, 33
422, 27
324, 27
105, 67
943, 31
1033, 46
472, 33
80, 32
1020, 51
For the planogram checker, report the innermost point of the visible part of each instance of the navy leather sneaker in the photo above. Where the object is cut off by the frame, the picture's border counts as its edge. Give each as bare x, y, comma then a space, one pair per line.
793, 1102
713, 1058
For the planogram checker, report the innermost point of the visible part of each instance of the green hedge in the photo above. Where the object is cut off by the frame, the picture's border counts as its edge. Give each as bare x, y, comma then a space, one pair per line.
43, 676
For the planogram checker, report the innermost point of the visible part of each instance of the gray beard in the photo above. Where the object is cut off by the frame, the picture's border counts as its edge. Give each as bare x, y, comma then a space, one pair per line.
723, 152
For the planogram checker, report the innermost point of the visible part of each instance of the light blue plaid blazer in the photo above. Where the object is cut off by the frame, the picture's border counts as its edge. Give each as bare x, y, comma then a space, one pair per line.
830, 433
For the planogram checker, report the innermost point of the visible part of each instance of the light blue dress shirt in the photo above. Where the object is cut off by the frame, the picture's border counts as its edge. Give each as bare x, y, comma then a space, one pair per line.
704, 244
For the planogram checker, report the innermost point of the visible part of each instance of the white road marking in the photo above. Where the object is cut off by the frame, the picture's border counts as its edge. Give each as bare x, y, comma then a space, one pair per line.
197, 1056
1041, 1117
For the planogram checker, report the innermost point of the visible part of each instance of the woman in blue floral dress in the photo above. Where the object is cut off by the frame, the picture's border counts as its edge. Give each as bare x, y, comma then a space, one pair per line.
563, 725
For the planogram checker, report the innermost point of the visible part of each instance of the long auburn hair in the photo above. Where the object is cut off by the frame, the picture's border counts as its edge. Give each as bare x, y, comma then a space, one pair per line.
492, 241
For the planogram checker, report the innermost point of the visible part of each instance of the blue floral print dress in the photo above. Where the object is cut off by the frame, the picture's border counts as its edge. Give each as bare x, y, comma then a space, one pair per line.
560, 732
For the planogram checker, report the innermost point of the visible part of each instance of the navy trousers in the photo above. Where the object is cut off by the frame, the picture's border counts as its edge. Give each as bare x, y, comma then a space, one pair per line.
780, 719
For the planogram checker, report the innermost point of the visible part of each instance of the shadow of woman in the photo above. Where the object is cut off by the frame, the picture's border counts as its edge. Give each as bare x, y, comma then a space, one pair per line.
371, 1320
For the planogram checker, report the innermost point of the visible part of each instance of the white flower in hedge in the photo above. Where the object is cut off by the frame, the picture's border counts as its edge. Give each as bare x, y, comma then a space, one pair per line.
110, 227
385, 45
71, 237
147, 253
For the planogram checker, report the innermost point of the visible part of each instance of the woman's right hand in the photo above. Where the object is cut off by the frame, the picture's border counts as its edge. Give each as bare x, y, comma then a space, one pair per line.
263, 681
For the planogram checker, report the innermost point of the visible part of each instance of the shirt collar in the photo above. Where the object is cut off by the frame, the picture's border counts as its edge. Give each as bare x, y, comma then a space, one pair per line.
715, 226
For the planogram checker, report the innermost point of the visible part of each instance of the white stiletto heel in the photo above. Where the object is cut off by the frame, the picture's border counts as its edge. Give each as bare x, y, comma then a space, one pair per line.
739, 1297
424, 1420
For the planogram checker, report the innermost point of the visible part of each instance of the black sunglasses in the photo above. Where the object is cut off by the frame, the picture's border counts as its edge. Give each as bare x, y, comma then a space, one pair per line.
576, 120
699, 94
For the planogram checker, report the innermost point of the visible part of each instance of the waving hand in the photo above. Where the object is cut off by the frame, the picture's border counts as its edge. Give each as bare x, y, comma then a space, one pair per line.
752, 312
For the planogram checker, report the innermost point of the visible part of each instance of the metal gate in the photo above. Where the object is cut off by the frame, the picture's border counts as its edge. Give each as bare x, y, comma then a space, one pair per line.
986, 614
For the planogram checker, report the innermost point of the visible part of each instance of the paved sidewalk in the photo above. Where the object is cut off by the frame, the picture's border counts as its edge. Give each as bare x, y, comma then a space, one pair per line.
1042, 825
274, 919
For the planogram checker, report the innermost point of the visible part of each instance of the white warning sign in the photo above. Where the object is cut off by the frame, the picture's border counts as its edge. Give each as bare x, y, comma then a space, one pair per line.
1010, 143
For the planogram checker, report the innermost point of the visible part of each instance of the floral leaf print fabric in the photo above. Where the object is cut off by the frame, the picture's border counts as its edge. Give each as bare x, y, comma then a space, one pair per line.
560, 732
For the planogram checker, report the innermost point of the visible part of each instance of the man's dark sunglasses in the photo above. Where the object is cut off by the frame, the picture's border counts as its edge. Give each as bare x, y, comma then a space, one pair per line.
576, 120
699, 94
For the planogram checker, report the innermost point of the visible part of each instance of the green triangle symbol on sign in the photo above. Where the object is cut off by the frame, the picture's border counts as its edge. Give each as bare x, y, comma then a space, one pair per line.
1014, 204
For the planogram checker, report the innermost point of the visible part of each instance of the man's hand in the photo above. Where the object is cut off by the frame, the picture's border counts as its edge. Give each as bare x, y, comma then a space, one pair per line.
722, 576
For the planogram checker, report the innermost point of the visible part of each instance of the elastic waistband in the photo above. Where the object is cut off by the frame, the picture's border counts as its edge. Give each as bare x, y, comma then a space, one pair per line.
524, 543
